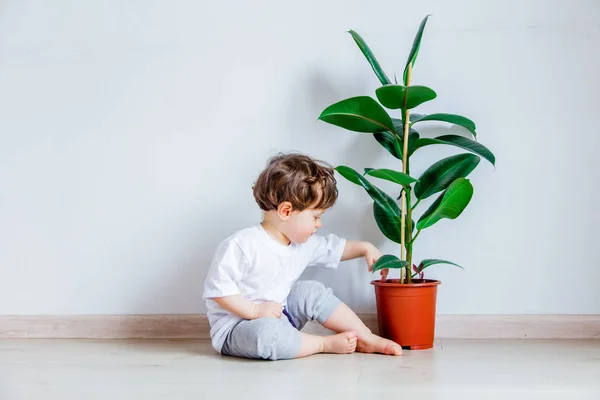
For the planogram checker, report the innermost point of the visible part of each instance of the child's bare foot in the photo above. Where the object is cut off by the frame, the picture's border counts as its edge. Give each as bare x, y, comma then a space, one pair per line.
342, 343
376, 344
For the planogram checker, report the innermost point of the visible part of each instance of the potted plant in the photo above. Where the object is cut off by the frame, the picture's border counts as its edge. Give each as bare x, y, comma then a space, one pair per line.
406, 306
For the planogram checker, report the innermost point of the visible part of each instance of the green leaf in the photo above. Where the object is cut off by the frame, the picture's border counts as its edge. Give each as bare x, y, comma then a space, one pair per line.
390, 143
382, 199
362, 45
458, 141
394, 96
388, 222
441, 174
389, 262
394, 146
391, 96
432, 261
359, 114
391, 175
412, 57
418, 95
449, 204
450, 118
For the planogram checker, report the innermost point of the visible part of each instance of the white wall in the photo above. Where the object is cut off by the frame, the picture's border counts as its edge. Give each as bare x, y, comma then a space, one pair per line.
131, 133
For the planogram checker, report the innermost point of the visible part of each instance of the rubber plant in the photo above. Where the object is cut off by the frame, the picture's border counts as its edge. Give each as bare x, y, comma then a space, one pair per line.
400, 137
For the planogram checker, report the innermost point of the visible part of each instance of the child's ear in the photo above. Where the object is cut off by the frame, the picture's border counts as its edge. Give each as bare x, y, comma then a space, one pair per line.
284, 210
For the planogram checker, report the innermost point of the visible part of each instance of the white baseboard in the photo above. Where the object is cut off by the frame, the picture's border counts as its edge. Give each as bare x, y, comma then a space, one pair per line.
176, 326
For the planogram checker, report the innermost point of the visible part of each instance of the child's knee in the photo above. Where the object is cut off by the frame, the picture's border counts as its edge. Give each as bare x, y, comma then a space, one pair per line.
313, 300
305, 289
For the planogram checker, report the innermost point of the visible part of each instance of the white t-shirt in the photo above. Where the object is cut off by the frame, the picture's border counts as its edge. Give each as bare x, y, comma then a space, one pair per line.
252, 263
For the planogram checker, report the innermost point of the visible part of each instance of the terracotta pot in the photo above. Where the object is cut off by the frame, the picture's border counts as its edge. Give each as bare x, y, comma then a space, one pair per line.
406, 313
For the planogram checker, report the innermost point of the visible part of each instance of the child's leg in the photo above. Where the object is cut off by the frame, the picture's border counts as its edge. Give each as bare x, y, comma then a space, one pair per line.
343, 319
311, 300
266, 338
342, 343
276, 339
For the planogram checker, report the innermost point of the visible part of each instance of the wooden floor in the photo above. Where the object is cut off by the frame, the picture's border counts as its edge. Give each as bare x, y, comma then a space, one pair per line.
190, 369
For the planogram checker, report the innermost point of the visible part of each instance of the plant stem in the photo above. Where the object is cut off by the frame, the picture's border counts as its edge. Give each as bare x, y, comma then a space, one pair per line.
416, 204
415, 237
410, 240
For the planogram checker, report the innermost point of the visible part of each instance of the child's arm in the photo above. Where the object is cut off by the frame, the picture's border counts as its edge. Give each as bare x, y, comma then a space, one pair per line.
227, 268
246, 309
355, 249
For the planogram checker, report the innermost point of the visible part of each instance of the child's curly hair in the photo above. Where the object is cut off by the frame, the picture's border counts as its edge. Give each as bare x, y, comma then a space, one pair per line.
296, 178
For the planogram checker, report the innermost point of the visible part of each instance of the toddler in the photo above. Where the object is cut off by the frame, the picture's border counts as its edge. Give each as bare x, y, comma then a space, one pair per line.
256, 306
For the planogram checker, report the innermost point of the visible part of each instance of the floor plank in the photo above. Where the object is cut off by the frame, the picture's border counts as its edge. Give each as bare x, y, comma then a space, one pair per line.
182, 369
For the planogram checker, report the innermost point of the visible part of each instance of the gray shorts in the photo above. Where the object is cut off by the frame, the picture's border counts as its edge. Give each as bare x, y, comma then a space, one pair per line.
277, 338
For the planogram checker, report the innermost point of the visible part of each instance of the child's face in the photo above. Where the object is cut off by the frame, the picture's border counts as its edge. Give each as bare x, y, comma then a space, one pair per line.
303, 224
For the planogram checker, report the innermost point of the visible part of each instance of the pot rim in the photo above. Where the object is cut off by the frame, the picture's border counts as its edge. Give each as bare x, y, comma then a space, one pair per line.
395, 283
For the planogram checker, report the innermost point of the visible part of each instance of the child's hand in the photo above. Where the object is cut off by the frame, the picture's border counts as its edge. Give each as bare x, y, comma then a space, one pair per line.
372, 254
270, 309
